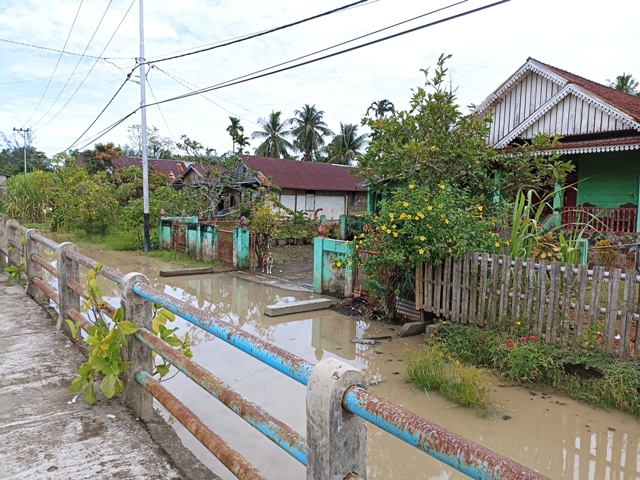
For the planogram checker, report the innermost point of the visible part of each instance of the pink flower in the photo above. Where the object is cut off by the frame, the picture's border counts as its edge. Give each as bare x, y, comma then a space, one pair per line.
534, 373
523, 339
533, 337
510, 345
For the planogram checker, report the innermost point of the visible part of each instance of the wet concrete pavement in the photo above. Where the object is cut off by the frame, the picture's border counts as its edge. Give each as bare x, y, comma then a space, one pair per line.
46, 432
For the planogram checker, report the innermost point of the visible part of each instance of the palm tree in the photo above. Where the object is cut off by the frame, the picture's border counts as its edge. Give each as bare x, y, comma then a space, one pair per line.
309, 131
234, 130
241, 141
626, 83
274, 134
345, 148
381, 107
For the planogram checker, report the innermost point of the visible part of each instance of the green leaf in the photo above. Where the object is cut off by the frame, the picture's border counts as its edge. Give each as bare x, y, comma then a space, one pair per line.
174, 341
78, 384
93, 284
186, 351
162, 370
118, 316
89, 395
104, 344
169, 316
165, 332
108, 386
91, 273
74, 327
86, 306
124, 366
119, 386
127, 327
85, 369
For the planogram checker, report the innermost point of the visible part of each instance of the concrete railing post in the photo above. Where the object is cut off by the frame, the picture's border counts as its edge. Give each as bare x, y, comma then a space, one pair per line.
32, 269
240, 247
13, 239
336, 438
3, 241
67, 270
139, 311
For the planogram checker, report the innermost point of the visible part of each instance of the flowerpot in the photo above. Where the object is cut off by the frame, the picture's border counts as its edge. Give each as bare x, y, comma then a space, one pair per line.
307, 240
299, 241
291, 241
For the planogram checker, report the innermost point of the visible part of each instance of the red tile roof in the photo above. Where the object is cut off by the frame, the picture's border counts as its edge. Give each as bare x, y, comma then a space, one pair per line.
172, 169
305, 175
624, 102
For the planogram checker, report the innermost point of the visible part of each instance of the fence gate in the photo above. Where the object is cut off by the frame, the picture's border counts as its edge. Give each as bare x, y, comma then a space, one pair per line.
179, 234
225, 246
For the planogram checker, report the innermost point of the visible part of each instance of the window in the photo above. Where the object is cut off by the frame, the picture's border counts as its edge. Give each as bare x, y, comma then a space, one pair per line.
310, 201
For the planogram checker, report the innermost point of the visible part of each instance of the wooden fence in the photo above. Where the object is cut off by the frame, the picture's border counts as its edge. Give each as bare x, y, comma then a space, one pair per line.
560, 304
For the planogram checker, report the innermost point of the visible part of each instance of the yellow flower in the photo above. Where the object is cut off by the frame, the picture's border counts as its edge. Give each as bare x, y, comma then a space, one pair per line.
393, 226
409, 217
442, 215
423, 238
446, 220
391, 216
406, 204
412, 186
357, 247
444, 323
440, 205
350, 262
518, 323
441, 187
420, 214
457, 362
429, 207
395, 234
338, 264
479, 207
421, 251
497, 244
403, 216
362, 235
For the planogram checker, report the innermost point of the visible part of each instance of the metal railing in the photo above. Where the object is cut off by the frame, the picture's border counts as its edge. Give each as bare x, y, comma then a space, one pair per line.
338, 405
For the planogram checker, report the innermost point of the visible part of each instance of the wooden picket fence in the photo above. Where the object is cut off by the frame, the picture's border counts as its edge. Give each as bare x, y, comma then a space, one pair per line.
560, 304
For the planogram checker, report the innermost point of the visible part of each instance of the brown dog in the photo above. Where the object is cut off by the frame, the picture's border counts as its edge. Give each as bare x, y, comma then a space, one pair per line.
267, 261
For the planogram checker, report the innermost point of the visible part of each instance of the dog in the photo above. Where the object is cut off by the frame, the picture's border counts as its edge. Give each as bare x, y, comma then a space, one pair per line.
267, 261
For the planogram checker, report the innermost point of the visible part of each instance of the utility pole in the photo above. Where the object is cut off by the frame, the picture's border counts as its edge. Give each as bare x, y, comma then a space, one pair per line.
143, 113
24, 143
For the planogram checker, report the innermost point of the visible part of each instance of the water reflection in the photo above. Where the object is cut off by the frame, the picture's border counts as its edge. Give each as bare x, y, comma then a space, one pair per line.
556, 436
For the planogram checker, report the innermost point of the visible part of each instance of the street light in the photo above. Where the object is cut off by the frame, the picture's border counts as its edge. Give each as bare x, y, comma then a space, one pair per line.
24, 137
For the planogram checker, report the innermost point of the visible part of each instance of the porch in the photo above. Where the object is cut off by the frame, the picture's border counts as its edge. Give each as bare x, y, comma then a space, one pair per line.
620, 221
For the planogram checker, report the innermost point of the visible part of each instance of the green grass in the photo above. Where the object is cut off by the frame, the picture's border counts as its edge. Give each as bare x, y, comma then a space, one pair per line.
584, 373
461, 384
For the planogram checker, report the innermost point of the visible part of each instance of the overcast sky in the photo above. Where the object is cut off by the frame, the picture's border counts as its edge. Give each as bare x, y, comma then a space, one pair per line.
597, 40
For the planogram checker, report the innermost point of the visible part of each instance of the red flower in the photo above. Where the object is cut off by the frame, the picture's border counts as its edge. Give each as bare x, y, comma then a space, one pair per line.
523, 339
510, 345
534, 373
533, 337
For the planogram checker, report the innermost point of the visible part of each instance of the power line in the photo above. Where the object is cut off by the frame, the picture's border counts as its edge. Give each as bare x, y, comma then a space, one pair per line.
265, 32
63, 52
63, 74
159, 110
57, 63
94, 64
244, 79
77, 64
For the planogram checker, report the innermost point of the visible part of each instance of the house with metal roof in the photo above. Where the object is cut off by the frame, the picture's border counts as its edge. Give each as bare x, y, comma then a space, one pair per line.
172, 169
600, 130
309, 186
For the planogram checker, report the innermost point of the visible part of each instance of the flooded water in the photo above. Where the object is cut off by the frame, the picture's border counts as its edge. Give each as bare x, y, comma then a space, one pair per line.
554, 435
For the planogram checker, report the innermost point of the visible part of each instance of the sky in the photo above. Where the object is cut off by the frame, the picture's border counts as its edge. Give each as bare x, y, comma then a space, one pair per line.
597, 40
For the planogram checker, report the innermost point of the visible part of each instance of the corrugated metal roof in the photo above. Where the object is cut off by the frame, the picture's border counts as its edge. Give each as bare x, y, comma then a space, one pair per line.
306, 175
172, 169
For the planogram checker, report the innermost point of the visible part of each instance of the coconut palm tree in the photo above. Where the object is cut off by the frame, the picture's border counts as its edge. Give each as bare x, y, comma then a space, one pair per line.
308, 130
274, 133
242, 141
234, 130
382, 107
626, 83
346, 147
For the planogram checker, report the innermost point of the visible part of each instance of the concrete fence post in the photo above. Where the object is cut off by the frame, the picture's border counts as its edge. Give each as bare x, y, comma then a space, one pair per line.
13, 239
240, 247
336, 438
318, 263
3, 241
139, 311
67, 270
32, 269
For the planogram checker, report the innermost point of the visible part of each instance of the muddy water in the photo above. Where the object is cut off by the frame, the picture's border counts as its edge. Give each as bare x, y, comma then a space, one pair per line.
549, 433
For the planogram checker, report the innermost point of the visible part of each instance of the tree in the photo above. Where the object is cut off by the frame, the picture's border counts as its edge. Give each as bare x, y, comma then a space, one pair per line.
242, 141
309, 130
196, 152
346, 147
12, 155
234, 129
100, 159
381, 108
157, 145
274, 133
625, 83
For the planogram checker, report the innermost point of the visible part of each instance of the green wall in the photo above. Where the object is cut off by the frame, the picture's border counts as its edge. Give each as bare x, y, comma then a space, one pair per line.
608, 180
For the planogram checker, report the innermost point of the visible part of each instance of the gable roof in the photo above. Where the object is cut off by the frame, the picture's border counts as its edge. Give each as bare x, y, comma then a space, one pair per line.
171, 169
540, 98
297, 175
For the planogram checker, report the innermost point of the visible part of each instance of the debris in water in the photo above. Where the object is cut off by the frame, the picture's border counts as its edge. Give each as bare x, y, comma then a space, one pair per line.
73, 400
506, 417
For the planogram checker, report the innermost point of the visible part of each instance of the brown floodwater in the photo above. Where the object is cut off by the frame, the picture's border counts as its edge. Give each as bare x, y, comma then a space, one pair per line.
556, 436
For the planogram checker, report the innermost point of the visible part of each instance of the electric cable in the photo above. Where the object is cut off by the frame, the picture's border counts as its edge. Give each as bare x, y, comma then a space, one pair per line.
94, 64
244, 79
57, 63
63, 52
265, 32
63, 74
160, 110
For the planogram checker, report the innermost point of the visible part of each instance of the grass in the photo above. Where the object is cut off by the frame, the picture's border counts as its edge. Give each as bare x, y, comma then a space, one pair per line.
584, 373
461, 384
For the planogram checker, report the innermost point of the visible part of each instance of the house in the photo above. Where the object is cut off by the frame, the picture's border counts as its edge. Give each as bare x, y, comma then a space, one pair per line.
171, 169
600, 129
309, 186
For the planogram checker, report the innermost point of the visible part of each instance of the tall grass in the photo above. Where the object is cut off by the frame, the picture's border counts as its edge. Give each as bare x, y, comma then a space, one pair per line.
27, 197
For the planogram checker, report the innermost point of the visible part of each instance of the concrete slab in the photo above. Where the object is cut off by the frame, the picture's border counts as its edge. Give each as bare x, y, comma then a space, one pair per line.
412, 328
46, 432
297, 307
